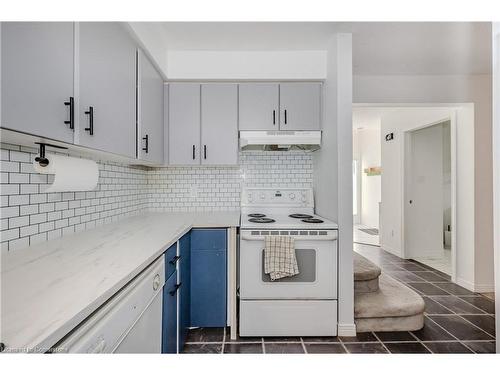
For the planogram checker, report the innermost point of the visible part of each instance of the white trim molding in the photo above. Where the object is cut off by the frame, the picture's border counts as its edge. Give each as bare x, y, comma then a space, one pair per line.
346, 330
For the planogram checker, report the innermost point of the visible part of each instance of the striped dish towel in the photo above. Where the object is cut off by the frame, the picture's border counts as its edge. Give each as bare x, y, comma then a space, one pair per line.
279, 257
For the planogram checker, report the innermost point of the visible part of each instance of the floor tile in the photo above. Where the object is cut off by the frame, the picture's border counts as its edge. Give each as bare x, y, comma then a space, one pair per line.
489, 295
428, 289
411, 267
205, 335
429, 276
282, 339
202, 348
242, 339
427, 267
481, 302
459, 327
325, 339
404, 276
360, 337
481, 347
485, 322
366, 348
392, 267
432, 307
432, 332
244, 348
406, 347
457, 305
451, 347
395, 336
442, 274
455, 289
283, 348
325, 348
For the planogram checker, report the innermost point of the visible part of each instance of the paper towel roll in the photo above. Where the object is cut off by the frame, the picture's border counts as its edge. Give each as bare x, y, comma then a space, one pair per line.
70, 174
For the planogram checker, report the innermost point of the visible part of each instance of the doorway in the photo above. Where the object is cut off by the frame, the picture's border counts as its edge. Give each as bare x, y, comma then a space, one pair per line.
428, 196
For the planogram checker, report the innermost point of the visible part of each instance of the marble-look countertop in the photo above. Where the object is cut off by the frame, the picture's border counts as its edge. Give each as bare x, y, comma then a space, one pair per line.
50, 288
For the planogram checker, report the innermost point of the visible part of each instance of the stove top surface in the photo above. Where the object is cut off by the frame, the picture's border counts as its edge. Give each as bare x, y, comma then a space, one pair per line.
284, 221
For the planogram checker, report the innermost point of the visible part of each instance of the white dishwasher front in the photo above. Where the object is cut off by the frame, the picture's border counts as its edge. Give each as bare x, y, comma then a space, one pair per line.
130, 322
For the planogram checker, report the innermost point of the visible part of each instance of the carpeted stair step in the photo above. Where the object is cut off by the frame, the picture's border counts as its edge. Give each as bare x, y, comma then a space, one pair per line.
366, 274
394, 307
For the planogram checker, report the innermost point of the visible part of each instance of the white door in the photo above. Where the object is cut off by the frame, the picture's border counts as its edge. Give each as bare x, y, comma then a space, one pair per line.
150, 111
258, 106
107, 88
300, 106
184, 123
37, 78
219, 124
424, 193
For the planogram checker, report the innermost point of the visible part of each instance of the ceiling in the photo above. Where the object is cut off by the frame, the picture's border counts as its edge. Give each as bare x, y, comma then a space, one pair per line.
378, 47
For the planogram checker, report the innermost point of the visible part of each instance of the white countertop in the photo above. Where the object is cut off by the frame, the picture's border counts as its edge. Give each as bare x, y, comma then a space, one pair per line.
48, 289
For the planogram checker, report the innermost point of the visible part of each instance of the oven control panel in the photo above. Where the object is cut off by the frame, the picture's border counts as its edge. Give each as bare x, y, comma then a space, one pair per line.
285, 197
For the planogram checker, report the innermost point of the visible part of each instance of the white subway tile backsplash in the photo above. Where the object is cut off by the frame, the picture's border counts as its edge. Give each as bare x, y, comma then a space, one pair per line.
30, 216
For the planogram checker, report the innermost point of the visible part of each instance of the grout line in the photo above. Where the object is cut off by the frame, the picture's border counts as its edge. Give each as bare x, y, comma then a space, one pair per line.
263, 346
343, 345
223, 341
380, 341
303, 345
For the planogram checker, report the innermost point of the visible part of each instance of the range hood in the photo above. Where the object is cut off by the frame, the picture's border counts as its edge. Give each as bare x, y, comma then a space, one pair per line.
280, 140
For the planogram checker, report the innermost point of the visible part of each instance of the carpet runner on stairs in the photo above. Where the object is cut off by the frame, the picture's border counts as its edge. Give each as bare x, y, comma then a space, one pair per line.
382, 303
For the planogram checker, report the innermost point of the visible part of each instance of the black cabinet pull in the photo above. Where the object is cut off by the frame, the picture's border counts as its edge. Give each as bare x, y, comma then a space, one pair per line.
176, 287
204, 151
285, 116
146, 146
71, 121
90, 112
274, 117
174, 259
194, 151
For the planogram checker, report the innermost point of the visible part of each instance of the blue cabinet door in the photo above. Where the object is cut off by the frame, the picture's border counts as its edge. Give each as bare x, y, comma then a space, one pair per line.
185, 289
169, 336
208, 277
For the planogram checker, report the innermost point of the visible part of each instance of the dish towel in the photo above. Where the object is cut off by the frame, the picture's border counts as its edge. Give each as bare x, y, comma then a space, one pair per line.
279, 257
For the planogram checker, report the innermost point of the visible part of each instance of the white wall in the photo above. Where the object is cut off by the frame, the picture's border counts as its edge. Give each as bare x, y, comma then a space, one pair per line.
437, 89
236, 65
332, 168
367, 142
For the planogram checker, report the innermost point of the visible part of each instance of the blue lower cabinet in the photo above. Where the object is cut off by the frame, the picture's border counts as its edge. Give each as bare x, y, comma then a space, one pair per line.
185, 289
169, 336
208, 277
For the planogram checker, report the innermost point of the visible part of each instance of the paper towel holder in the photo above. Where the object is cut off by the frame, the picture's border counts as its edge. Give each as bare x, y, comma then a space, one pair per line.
42, 160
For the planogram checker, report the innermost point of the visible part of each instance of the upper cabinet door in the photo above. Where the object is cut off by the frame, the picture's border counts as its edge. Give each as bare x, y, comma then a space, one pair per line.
258, 106
107, 82
37, 78
300, 105
184, 123
150, 111
219, 124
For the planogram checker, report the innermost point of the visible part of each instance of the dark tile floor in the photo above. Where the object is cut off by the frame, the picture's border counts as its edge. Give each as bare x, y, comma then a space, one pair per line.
457, 321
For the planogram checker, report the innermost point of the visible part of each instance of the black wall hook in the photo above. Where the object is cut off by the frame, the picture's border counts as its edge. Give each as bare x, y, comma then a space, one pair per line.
41, 159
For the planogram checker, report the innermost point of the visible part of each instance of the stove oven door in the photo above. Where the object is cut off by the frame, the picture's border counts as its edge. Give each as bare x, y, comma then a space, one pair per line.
316, 253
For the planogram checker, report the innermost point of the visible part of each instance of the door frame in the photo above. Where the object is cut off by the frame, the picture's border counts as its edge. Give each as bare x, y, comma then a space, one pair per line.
405, 173
357, 218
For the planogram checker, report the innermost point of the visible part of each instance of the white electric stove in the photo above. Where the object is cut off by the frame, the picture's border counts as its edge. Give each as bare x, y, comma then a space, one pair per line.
301, 305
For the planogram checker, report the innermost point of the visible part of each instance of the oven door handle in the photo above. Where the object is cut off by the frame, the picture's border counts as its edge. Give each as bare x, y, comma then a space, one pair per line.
331, 237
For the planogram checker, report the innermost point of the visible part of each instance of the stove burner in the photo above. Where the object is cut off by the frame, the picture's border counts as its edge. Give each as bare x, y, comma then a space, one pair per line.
301, 216
312, 221
261, 220
256, 215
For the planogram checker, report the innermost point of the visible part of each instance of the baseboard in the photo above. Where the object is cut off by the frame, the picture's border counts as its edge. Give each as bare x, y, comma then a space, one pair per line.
391, 250
346, 329
476, 288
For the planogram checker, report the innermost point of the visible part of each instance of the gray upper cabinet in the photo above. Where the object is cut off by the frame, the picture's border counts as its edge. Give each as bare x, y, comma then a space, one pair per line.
184, 123
37, 78
150, 89
258, 106
219, 124
300, 106
107, 79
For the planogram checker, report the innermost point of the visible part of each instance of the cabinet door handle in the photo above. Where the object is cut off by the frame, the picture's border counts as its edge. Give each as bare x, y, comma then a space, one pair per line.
285, 117
204, 151
90, 112
176, 287
274, 117
146, 145
174, 259
194, 152
71, 121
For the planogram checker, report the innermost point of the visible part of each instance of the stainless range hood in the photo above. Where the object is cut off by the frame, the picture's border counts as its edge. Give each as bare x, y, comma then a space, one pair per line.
280, 140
